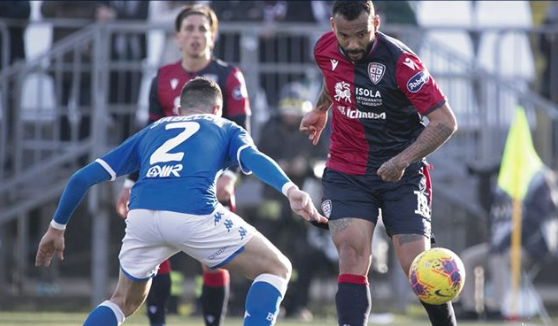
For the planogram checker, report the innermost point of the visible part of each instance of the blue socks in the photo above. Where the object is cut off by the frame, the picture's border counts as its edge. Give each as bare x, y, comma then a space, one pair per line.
263, 300
106, 314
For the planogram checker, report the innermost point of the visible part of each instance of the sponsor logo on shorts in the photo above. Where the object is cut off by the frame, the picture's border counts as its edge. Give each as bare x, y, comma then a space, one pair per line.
217, 217
218, 253
229, 225
242, 232
326, 207
417, 81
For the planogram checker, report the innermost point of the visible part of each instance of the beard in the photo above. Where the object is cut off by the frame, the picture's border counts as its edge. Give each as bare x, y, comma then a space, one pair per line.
362, 52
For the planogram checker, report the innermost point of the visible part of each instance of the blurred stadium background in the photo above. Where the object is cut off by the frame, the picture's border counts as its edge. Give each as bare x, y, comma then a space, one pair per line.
485, 55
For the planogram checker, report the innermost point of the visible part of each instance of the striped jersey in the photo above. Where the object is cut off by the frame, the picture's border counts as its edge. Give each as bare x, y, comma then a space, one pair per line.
164, 97
378, 102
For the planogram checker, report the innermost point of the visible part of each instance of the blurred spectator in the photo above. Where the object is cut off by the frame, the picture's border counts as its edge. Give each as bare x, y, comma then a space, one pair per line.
70, 89
399, 13
128, 47
166, 12
396, 12
19, 11
281, 140
539, 211
272, 47
549, 49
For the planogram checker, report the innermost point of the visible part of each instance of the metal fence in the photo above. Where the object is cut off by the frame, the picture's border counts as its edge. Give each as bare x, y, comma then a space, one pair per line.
65, 108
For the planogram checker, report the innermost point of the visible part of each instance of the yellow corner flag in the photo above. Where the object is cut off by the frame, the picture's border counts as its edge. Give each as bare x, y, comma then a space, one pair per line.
519, 164
520, 161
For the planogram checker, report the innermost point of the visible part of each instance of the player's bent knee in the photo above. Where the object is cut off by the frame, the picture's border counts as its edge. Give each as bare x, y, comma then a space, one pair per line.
281, 266
286, 267
128, 305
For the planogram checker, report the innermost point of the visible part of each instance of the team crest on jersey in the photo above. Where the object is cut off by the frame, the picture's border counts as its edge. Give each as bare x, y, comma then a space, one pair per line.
342, 91
376, 72
326, 208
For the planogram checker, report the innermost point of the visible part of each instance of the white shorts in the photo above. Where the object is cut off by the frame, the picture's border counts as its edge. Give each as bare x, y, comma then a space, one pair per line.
154, 236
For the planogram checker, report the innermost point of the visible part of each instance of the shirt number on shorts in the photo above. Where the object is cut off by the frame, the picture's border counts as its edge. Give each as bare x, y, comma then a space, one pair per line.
161, 154
423, 208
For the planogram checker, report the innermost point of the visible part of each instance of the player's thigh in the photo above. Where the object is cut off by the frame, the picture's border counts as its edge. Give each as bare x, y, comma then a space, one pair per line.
406, 213
213, 239
349, 196
260, 256
353, 239
406, 205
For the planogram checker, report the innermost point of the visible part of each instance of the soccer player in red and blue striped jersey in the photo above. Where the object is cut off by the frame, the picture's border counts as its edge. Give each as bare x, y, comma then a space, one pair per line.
378, 92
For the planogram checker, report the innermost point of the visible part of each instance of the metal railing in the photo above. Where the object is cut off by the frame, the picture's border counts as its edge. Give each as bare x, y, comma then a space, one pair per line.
57, 123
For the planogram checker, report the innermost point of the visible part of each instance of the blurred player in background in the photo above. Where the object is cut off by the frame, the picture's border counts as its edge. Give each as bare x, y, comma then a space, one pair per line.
379, 92
174, 207
196, 28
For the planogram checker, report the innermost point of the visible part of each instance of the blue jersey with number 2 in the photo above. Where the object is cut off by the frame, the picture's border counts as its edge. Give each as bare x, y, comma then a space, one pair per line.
179, 159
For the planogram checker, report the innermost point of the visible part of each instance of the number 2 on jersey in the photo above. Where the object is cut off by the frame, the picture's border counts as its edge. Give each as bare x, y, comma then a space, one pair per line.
161, 154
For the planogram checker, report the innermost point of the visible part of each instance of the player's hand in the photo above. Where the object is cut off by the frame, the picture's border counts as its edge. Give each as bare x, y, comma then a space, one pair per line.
390, 171
122, 202
51, 244
302, 205
225, 188
313, 123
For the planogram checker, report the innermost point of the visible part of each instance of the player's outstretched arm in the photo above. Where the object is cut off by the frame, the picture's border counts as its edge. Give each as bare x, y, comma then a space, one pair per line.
52, 243
268, 171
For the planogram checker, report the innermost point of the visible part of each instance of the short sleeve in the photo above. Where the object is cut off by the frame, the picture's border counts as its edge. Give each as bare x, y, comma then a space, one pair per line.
236, 96
124, 159
419, 87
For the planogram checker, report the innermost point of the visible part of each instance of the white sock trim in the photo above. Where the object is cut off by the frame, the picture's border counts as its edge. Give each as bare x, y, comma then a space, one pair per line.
277, 282
116, 310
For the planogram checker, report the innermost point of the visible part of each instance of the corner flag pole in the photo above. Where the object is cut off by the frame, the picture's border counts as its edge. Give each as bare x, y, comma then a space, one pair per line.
520, 162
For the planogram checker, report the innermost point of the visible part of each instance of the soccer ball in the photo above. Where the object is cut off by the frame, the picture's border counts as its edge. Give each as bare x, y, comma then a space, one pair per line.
437, 276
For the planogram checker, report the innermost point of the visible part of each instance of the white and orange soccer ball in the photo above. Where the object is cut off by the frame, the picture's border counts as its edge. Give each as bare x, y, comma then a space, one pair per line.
437, 276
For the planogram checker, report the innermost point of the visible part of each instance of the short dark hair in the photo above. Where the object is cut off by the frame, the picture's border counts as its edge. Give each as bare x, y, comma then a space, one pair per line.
197, 9
200, 94
352, 9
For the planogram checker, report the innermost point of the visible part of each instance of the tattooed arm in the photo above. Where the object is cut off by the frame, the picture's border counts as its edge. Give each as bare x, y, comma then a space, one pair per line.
442, 125
324, 99
314, 121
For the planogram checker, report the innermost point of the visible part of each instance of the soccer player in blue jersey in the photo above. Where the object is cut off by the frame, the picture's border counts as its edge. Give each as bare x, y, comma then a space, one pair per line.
379, 92
173, 207
196, 28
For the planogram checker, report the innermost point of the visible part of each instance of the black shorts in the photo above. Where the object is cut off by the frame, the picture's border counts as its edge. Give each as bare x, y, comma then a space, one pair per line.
405, 205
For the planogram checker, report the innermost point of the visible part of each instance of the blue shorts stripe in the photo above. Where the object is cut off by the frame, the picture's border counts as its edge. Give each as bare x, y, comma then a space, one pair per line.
135, 279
